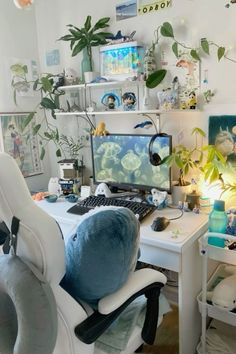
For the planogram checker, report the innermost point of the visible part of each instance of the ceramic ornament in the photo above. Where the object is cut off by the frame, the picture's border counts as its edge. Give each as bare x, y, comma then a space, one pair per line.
22, 4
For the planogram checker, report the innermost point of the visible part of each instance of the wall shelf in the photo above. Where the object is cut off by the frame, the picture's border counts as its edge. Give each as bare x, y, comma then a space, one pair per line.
103, 84
154, 111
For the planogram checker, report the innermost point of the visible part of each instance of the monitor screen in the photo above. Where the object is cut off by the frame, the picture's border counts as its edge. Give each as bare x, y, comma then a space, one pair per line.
122, 160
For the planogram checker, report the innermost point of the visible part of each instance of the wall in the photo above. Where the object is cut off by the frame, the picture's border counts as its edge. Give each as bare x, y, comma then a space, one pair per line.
201, 18
18, 39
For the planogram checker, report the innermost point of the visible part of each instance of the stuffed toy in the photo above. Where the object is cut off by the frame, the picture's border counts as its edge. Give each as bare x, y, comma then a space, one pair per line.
100, 130
224, 294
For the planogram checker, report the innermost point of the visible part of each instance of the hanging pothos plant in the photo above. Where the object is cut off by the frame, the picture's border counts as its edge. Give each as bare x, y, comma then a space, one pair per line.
166, 31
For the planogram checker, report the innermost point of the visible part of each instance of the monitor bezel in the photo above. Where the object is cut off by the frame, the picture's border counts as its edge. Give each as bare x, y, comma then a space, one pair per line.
130, 186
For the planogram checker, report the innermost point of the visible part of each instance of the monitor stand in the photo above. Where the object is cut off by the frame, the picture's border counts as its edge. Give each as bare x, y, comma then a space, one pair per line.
103, 189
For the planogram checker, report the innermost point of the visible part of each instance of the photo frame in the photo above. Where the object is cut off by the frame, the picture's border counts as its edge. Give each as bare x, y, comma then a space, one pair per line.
20, 142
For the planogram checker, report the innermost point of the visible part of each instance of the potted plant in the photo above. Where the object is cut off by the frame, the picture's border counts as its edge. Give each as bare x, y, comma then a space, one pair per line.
86, 37
199, 159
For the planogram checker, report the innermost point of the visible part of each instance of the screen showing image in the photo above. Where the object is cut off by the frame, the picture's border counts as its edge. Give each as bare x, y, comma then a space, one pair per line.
123, 161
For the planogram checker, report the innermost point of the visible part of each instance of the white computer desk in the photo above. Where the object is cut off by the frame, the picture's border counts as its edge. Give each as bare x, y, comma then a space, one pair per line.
163, 249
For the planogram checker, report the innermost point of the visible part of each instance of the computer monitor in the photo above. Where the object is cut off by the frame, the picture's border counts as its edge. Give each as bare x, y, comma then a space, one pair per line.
122, 160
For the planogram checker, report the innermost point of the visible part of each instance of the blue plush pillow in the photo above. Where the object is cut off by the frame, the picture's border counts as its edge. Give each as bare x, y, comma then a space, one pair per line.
101, 255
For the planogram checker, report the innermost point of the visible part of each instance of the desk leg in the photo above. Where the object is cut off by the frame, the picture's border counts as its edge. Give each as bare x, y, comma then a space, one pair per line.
189, 288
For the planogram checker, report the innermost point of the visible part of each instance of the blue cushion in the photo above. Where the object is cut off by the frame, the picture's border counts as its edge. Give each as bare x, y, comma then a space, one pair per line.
101, 255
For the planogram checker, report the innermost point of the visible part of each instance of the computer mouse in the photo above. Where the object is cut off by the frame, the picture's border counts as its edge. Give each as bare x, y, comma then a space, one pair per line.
160, 223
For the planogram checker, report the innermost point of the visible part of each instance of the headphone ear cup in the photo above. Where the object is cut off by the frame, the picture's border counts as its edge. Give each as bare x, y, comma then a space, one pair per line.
156, 159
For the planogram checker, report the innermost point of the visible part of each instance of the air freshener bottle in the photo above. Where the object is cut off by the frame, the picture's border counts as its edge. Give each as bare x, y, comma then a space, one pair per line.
217, 222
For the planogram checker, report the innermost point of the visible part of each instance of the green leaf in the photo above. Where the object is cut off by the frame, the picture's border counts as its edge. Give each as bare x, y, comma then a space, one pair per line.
79, 47
35, 85
156, 78
194, 54
67, 37
102, 23
220, 52
47, 103
76, 35
205, 45
199, 131
58, 153
46, 84
167, 30
42, 154
57, 101
27, 120
87, 24
36, 129
48, 136
175, 49
178, 162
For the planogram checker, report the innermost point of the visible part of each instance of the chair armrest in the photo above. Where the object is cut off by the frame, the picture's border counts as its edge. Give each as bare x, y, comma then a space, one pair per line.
91, 328
136, 281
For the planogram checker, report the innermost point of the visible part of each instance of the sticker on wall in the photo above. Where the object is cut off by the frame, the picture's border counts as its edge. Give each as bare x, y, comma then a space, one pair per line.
53, 57
147, 7
126, 10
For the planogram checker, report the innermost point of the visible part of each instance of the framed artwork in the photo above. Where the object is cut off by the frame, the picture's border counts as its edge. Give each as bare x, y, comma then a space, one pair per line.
222, 134
20, 143
126, 10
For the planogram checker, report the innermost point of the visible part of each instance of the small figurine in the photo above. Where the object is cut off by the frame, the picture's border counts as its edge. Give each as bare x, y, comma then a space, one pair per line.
71, 77
192, 101
208, 94
100, 130
129, 101
110, 100
120, 38
146, 124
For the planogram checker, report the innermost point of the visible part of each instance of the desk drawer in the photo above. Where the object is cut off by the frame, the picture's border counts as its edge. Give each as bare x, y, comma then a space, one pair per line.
161, 257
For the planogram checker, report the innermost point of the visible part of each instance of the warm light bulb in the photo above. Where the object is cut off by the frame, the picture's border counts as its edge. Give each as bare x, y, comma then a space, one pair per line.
22, 4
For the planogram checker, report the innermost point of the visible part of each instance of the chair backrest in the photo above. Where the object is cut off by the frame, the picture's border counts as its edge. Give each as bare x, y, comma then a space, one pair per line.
39, 238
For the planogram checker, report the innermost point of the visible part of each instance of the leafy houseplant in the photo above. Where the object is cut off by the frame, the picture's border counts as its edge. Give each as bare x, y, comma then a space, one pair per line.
206, 159
166, 31
87, 37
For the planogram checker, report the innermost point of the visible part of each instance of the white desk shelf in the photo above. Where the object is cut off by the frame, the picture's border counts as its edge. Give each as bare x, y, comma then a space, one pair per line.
153, 111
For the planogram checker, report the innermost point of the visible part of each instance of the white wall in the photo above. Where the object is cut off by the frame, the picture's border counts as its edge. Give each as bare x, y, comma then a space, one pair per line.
202, 19
18, 39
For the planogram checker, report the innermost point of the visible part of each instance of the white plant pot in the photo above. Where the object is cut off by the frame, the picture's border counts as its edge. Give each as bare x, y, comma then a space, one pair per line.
179, 193
89, 76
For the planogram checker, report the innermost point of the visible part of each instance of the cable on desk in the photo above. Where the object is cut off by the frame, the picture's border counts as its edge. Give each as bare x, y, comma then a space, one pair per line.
179, 216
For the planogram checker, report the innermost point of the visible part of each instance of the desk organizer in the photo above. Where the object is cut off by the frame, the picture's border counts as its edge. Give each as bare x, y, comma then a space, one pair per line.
213, 311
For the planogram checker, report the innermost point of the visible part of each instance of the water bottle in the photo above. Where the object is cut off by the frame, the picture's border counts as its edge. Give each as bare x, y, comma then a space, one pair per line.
218, 221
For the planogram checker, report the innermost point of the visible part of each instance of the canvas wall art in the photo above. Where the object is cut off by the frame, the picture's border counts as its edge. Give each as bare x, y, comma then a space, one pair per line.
20, 143
222, 134
126, 10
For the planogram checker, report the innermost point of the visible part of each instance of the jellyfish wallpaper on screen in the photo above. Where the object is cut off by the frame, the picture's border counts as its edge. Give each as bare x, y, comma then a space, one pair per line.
123, 160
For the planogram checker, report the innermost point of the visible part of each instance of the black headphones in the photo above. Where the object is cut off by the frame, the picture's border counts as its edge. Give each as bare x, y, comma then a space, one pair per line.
154, 157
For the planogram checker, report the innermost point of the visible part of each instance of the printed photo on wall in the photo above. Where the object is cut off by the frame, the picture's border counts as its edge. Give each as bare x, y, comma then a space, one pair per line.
22, 73
126, 10
222, 134
20, 143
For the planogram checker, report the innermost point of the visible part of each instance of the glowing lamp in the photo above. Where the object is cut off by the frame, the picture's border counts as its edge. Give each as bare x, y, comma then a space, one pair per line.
23, 4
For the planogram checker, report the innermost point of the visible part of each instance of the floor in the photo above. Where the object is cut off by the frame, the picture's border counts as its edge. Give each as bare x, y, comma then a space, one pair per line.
167, 336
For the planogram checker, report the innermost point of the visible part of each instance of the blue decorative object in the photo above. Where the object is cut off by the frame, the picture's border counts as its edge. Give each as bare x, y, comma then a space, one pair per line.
129, 101
110, 100
100, 256
52, 198
145, 124
72, 198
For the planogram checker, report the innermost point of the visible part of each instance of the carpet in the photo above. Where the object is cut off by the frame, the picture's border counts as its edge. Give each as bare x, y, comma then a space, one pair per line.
167, 337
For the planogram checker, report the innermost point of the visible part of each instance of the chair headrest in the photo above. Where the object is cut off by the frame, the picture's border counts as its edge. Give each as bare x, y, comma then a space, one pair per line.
39, 237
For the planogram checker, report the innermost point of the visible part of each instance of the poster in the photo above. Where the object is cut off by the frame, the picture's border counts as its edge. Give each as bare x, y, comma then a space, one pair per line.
148, 6
222, 134
23, 73
20, 143
126, 10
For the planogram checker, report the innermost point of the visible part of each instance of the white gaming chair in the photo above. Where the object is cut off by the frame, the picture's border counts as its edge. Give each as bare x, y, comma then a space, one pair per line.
40, 243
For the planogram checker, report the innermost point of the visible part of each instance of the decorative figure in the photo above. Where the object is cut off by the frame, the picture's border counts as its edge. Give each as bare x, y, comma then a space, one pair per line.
17, 151
71, 77
187, 64
110, 100
192, 101
146, 124
129, 101
120, 38
100, 130
208, 94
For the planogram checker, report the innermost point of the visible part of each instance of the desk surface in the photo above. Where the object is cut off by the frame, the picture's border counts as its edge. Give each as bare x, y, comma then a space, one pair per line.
174, 238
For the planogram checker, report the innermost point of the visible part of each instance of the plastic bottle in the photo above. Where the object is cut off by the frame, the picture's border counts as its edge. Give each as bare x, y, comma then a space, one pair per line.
218, 221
